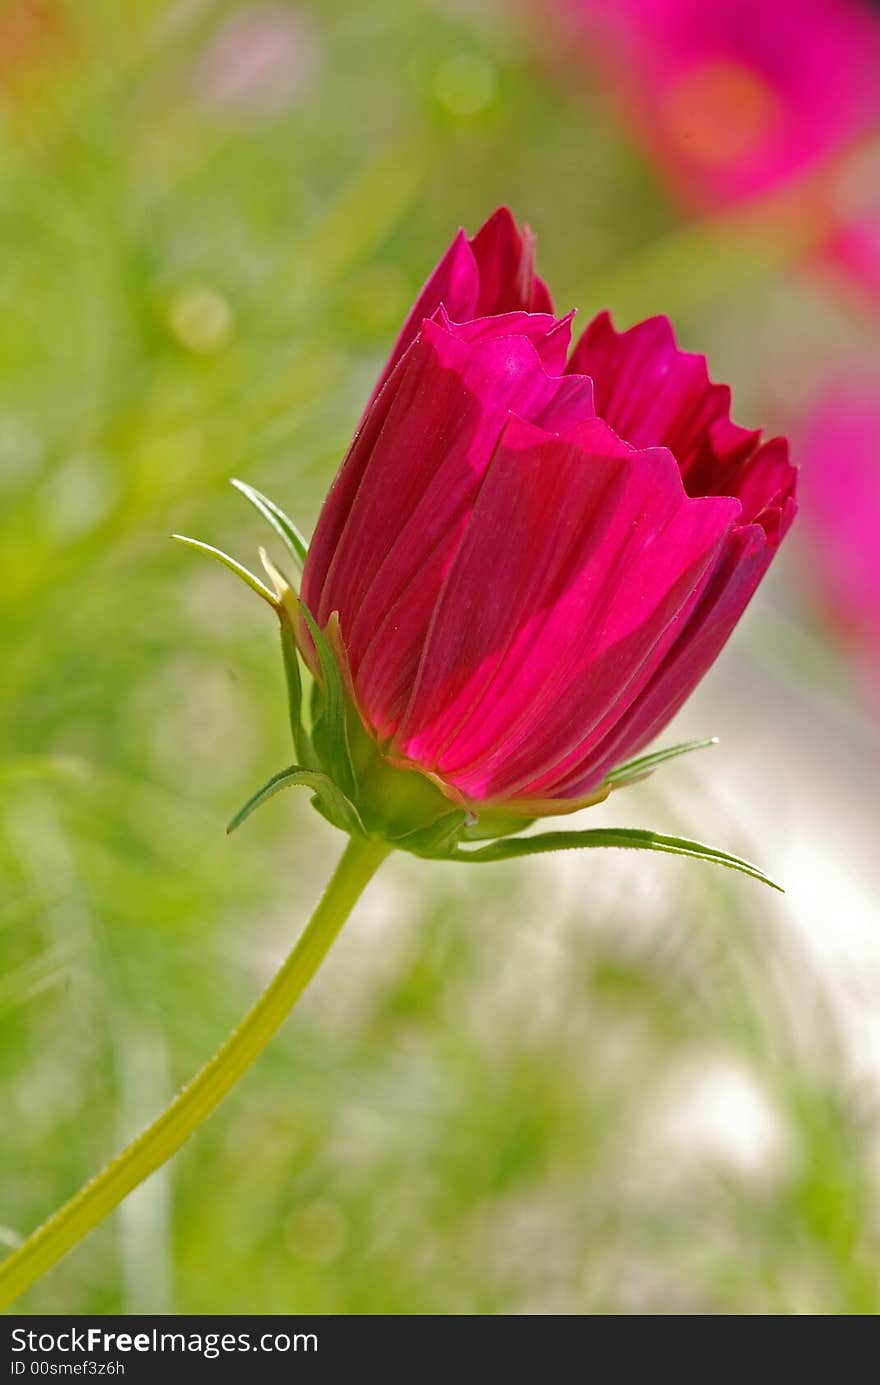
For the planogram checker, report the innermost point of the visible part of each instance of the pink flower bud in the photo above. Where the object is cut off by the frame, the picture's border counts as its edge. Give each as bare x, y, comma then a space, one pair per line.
535, 556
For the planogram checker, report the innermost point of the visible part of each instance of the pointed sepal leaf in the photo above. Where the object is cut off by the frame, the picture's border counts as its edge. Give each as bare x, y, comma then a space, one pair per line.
285, 528
238, 568
330, 732
293, 677
644, 765
280, 584
438, 840
331, 800
494, 823
634, 838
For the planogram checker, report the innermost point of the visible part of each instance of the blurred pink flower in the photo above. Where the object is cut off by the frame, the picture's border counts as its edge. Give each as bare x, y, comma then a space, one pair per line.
841, 501
852, 249
258, 61
736, 96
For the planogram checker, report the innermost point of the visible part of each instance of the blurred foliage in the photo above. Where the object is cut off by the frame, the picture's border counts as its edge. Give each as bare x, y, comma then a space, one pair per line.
491, 1100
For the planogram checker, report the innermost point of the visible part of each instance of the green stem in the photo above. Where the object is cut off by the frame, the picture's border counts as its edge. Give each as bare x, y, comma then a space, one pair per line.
197, 1100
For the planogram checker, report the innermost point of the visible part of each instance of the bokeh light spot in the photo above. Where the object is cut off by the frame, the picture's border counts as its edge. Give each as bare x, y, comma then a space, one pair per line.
201, 319
466, 84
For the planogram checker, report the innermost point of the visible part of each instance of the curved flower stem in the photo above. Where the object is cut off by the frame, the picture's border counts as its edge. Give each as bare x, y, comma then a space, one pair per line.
198, 1098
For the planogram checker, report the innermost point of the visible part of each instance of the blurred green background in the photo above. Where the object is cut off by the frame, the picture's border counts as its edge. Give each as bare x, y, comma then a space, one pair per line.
595, 1086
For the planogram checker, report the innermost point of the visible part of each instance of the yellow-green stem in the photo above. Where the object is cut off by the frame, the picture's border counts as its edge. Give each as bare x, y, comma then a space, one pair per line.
197, 1100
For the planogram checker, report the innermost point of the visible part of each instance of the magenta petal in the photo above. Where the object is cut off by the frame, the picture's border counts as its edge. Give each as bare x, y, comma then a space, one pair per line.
655, 395
764, 484
539, 499
449, 401
604, 553
340, 497
562, 401
549, 335
490, 274
742, 563
506, 261
455, 282
387, 667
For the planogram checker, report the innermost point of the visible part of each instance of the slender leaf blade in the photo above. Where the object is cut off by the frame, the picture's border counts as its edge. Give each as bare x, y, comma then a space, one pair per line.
293, 540
335, 804
644, 765
634, 838
240, 571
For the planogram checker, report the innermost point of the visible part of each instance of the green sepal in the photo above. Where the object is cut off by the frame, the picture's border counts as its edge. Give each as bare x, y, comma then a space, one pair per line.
494, 823
238, 568
438, 840
643, 765
330, 731
632, 837
285, 528
331, 801
293, 677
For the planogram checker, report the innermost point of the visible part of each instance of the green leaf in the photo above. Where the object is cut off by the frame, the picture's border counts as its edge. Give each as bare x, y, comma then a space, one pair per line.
634, 837
333, 801
646, 764
285, 528
330, 733
246, 576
